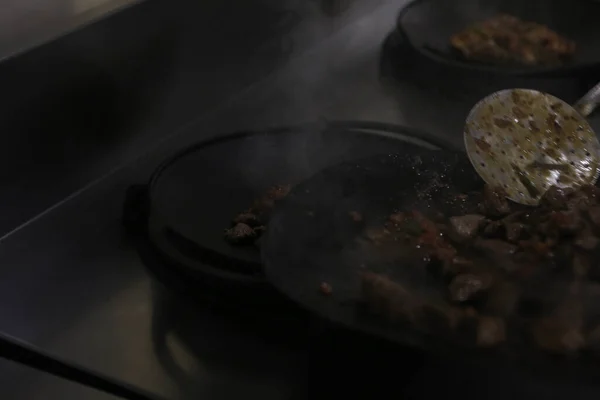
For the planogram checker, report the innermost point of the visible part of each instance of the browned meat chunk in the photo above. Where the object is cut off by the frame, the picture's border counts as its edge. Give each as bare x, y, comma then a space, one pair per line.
555, 198
395, 303
594, 215
505, 39
593, 340
356, 216
397, 218
247, 218
532, 269
586, 241
592, 192
502, 299
562, 332
325, 288
495, 202
377, 235
514, 231
456, 265
495, 248
240, 234
557, 335
583, 198
491, 331
467, 226
437, 319
268, 200
494, 229
568, 222
387, 298
581, 265
468, 286
255, 218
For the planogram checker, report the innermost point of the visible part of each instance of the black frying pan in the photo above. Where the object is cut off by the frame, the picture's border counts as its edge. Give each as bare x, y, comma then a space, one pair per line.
311, 240
429, 24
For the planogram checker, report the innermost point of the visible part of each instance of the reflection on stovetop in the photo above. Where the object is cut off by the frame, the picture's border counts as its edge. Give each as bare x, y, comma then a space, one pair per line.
188, 335
319, 359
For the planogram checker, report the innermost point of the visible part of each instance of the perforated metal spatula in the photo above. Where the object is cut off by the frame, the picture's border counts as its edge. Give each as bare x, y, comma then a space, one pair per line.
527, 141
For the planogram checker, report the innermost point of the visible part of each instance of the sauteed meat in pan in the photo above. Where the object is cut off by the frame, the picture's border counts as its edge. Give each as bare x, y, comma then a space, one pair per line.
247, 226
503, 273
505, 39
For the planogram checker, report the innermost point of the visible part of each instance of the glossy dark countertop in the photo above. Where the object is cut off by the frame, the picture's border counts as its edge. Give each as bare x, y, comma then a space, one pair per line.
70, 280
46, 386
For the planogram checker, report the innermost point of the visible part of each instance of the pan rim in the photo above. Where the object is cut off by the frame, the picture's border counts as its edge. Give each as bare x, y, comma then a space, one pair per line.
213, 260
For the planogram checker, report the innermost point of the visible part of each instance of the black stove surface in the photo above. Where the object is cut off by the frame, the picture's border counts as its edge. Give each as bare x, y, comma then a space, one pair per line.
72, 282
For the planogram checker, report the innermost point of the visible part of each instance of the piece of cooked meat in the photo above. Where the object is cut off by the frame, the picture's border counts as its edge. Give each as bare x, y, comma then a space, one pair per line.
240, 234
594, 215
392, 301
466, 226
505, 39
355, 216
495, 248
387, 298
266, 202
495, 203
249, 225
555, 198
475, 275
557, 335
325, 288
248, 218
491, 331
468, 286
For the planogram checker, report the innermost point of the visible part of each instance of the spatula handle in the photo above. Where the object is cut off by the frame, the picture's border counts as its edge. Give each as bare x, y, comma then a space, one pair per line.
588, 103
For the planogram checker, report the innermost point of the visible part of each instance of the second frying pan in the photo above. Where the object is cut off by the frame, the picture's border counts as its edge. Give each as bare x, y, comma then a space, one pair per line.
429, 24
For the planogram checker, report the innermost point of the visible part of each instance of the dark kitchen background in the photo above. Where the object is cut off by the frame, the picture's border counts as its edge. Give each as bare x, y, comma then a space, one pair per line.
96, 94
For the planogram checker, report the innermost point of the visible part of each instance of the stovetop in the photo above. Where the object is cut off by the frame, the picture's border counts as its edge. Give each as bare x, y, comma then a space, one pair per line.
72, 282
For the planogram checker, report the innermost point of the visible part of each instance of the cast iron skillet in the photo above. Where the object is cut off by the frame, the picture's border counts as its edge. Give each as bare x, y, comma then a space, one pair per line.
194, 194
429, 24
311, 240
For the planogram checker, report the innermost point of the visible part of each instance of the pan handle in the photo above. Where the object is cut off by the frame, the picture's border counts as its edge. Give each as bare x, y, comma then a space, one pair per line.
588, 103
